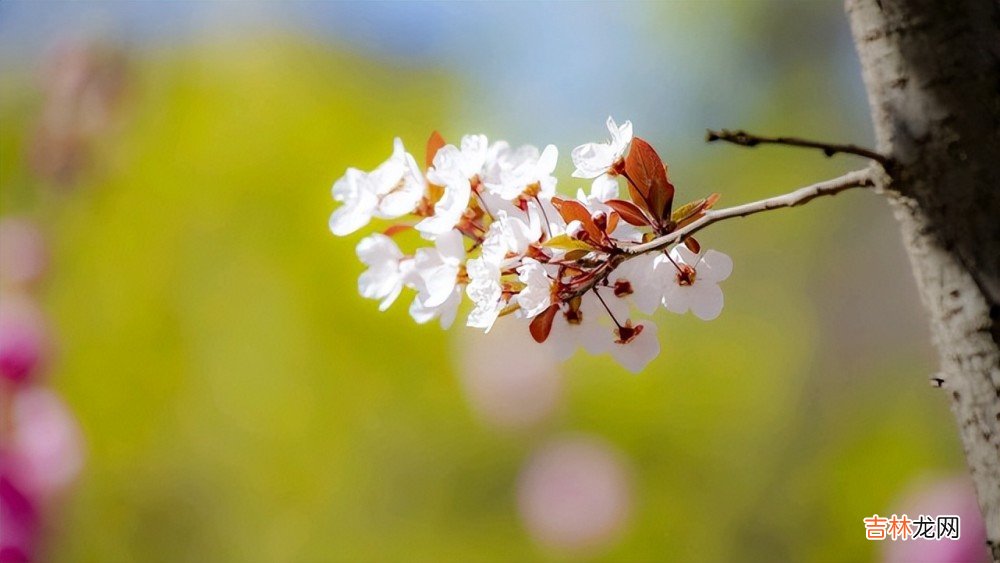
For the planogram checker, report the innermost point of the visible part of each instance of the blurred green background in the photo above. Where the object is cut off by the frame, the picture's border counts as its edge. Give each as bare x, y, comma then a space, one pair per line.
241, 402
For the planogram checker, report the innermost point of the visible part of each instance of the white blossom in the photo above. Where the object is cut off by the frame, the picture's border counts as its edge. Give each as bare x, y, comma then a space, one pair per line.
485, 291
392, 190
398, 183
639, 280
464, 162
512, 172
536, 296
595, 159
641, 349
386, 271
355, 190
500, 198
445, 312
694, 282
449, 209
589, 326
435, 276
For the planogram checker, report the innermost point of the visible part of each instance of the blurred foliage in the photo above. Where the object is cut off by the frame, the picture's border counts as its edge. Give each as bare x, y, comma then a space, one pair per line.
242, 403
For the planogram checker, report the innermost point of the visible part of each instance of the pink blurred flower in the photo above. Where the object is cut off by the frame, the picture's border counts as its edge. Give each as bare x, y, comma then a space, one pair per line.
23, 256
24, 339
18, 524
46, 448
506, 385
575, 494
953, 496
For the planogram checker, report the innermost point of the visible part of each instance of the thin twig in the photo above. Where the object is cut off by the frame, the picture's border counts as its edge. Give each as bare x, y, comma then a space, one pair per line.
745, 139
856, 179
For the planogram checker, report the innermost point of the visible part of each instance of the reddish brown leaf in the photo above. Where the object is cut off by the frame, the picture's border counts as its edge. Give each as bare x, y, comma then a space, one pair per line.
629, 212
688, 210
638, 199
645, 168
541, 325
572, 210
711, 200
692, 245
613, 218
396, 229
434, 144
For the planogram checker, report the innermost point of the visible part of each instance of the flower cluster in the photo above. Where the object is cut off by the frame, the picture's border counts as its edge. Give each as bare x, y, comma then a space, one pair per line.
500, 234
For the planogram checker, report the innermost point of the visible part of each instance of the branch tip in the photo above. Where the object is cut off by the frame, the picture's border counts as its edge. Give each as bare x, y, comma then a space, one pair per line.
744, 139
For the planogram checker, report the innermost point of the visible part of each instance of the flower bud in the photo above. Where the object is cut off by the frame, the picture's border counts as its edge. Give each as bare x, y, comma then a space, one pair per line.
600, 219
574, 229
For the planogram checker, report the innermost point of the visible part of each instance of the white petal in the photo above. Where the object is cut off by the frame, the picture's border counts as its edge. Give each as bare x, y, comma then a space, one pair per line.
449, 309
349, 218
706, 300
448, 210
474, 149
641, 274
596, 339
592, 160
619, 307
401, 201
715, 266
377, 249
561, 339
612, 127
391, 296
439, 284
605, 187
625, 134
683, 254
636, 355
547, 161
450, 246
536, 296
420, 312
676, 298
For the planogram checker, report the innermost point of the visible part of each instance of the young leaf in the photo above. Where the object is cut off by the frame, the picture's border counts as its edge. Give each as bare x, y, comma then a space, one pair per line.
434, 144
541, 325
574, 210
574, 255
571, 210
613, 218
509, 309
688, 210
692, 245
565, 242
396, 229
629, 212
647, 171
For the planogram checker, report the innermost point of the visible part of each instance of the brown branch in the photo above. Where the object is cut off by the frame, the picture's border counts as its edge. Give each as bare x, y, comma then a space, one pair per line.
856, 179
745, 139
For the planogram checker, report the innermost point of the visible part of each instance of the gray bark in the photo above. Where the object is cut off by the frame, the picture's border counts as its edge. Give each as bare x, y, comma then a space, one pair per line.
932, 72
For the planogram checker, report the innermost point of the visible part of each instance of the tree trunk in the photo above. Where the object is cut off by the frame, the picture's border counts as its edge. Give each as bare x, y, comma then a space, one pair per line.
932, 72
